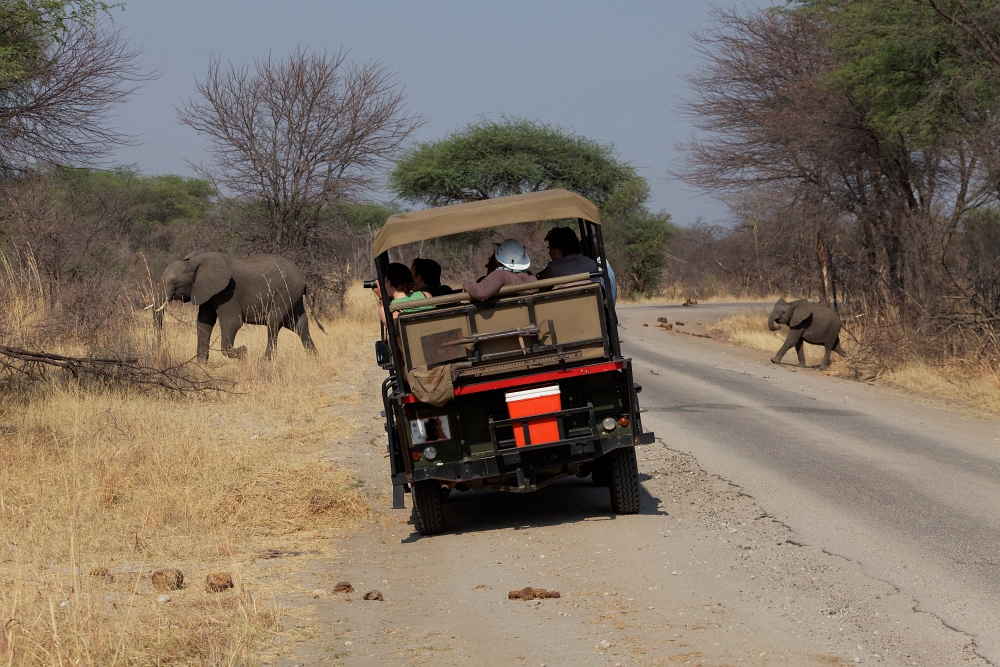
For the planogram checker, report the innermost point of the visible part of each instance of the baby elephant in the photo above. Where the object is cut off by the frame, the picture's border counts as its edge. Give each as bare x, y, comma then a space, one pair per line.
233, 291
807, 323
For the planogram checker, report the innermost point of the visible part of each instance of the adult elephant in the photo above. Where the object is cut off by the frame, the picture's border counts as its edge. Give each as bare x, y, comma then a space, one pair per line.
263, 289
807, 322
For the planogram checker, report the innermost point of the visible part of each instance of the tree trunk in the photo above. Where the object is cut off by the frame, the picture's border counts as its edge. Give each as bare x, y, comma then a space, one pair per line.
823, 258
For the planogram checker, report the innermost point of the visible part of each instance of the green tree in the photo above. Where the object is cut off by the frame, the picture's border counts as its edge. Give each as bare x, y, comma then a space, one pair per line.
636, 238
515, 156
30, 27
510, 157
906, 65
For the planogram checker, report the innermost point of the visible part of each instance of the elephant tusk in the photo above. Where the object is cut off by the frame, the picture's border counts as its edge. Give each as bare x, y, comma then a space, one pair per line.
161, 307
149, 306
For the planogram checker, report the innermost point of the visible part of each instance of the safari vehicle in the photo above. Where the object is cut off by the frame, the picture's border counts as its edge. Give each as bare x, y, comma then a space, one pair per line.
511, 393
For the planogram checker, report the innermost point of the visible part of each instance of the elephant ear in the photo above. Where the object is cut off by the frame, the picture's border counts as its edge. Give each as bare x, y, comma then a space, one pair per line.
800, 311
212, 275
194, 253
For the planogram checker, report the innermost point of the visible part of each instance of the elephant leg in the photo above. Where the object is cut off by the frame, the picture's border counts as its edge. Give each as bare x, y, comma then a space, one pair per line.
229, 328
273, 327
838, 349
790, 340
300, 325
800, 352
827, 349
206, 322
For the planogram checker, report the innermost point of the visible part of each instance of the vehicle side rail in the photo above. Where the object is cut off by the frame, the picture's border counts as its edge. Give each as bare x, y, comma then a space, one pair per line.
507, 289
525, 380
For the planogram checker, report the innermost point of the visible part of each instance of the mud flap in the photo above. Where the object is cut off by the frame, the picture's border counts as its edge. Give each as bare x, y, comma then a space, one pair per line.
398, 493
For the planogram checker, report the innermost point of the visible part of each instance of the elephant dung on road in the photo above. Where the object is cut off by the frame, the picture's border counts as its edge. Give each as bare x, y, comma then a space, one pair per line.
262, 289
807, 322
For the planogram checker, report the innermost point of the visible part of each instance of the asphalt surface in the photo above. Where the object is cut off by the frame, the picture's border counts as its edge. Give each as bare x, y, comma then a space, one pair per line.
909, 492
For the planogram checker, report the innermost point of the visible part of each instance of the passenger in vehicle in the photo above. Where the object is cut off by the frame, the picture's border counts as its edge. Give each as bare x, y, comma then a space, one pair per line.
490, 266
512, 264
566, 255
399, 285
427, 277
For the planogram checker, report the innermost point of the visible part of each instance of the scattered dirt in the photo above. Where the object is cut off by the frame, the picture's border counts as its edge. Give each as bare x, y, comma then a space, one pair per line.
374, 595
170, 579
529, 593
343, 587
218, 581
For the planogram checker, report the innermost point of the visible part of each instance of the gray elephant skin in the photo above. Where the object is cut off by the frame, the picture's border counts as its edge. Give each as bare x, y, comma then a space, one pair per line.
233, 291
807, 322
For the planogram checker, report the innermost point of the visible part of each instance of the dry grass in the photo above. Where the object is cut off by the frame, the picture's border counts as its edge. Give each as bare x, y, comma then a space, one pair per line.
679, 295
120, 483
974, 388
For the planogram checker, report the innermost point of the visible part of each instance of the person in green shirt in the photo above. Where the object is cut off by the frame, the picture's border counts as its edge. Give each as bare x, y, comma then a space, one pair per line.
399, 285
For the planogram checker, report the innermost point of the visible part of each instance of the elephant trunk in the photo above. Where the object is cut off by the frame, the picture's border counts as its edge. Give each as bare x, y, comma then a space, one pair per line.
772, 322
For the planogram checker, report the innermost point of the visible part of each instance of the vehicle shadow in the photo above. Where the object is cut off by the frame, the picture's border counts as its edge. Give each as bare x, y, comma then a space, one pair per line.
568, 501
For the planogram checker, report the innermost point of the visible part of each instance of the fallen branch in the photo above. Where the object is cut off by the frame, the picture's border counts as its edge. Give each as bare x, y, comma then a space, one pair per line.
185, 377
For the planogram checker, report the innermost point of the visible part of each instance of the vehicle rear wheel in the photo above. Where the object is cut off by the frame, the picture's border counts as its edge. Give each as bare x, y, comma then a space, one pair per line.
428, 512
623, 473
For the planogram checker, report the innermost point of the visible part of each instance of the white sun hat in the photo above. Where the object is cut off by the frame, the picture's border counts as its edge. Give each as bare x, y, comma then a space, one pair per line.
510, 254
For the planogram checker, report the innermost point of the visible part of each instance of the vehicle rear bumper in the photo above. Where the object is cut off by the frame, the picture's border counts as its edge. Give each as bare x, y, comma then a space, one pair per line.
527, 462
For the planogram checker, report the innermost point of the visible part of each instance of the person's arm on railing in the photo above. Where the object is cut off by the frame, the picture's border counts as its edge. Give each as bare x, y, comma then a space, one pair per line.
486, 288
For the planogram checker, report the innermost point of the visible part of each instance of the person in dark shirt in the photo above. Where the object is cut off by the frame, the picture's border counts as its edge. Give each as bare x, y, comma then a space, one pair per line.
427, 277
566, 255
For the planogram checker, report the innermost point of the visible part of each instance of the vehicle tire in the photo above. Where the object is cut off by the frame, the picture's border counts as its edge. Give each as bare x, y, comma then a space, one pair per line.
623, 472
428, 512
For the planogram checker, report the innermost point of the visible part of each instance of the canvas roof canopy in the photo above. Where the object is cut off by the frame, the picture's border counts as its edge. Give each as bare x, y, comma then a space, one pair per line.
431, 223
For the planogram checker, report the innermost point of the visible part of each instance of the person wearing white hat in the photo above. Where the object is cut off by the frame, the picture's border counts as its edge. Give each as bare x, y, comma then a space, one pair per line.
512, 264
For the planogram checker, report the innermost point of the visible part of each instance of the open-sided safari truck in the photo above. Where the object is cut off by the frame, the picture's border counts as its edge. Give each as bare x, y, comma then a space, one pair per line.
514, 392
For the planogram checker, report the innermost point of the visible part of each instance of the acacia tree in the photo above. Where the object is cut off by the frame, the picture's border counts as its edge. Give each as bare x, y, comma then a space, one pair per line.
517, 156
62, 71
294, 135
514, 156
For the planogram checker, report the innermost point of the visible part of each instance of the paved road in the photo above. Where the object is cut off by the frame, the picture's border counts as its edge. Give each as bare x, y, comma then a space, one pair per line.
787, 518
909, 492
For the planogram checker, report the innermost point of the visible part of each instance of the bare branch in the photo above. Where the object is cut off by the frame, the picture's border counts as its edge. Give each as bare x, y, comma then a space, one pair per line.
62, 113
297, 134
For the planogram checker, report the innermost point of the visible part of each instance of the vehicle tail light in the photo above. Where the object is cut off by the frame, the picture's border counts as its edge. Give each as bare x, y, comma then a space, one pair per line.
623, 420
415, 455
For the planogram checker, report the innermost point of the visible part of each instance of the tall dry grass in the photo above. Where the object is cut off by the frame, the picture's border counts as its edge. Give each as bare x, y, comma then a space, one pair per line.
967, 385
102, 484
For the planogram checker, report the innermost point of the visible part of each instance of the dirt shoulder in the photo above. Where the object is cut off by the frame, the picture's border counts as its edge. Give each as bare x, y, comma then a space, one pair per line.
703, 576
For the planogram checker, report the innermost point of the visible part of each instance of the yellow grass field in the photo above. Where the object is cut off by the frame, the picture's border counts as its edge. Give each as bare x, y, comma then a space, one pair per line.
970, 389
100, 487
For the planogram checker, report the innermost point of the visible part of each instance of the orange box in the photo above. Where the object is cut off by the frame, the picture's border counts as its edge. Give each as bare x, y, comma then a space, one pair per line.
532, 402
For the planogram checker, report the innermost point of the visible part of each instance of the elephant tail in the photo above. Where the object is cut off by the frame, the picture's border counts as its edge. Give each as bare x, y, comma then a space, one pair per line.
312, 310
838, 349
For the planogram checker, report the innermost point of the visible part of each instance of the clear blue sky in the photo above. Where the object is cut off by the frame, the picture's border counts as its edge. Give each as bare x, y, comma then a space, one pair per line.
611, 71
